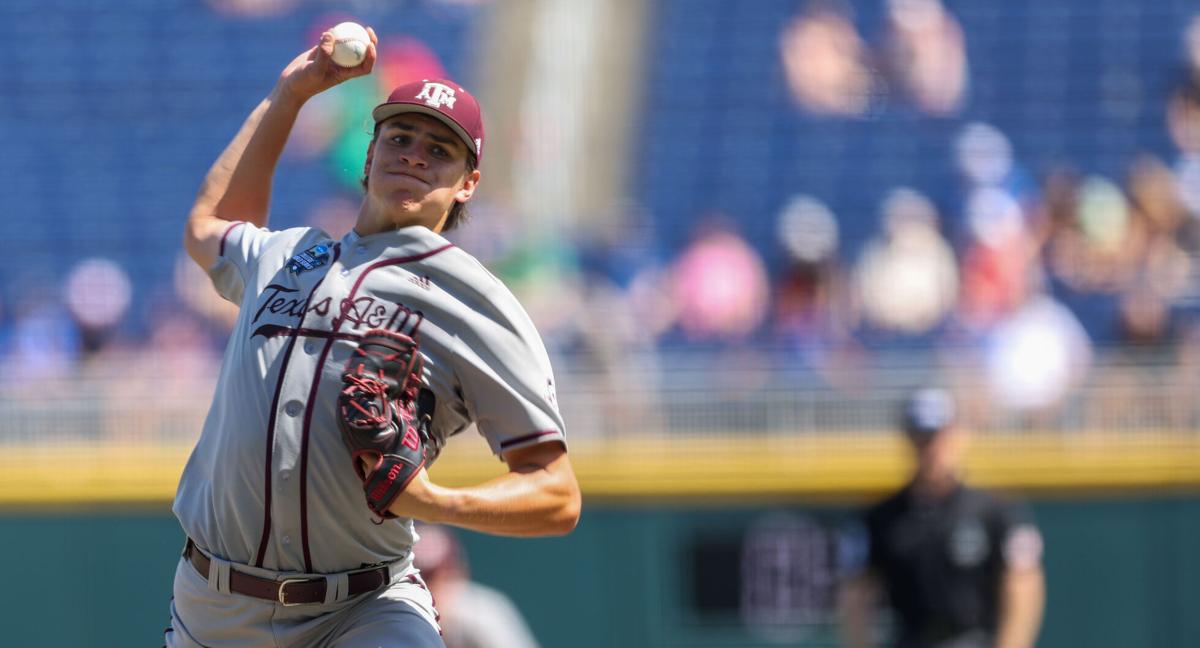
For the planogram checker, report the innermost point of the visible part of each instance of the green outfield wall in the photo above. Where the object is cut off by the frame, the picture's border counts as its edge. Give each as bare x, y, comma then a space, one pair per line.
1122, 572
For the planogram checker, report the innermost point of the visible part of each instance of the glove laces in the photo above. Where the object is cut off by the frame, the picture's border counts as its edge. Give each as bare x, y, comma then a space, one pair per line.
366, 389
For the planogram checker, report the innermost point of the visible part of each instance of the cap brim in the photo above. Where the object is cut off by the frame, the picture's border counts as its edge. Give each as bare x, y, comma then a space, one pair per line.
387, 110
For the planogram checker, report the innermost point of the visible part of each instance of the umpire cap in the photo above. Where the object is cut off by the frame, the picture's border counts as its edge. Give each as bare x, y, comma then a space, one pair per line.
927, 412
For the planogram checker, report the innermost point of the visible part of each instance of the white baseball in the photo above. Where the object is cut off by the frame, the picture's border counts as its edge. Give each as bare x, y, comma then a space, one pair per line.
350, 41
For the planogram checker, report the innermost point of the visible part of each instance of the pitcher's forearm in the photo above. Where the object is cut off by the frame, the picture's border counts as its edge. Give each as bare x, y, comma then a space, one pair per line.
511, 505
539, 496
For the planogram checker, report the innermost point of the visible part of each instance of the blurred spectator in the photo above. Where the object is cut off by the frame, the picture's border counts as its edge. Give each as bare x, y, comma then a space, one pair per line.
1035, 358
924, 55
983, 154
1055, 207
984, 157
825, 62
719, 286
1183, 119
1187, 171
1158, 220
1155, 196
1191, 47
808, 231
814, 313
472, 615
253, 8
97, 294
1183, 105
1183, 116
46, 342
999, 257
1093, 247
1144, 318
907, 277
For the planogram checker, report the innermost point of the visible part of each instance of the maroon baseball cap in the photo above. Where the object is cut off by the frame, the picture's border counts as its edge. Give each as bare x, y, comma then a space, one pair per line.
442, 99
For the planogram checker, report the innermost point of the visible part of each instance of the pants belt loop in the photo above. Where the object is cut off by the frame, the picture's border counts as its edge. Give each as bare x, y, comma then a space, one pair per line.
218, 574
337, 588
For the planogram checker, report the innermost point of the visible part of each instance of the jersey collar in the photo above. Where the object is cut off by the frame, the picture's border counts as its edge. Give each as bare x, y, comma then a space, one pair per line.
413, 239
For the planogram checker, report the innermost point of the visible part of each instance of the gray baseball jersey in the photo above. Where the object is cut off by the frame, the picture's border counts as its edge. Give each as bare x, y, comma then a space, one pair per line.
270, 483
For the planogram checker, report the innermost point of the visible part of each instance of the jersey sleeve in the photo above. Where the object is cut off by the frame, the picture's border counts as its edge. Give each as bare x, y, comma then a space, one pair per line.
242, 248
1021, 542
241, 245
508, 390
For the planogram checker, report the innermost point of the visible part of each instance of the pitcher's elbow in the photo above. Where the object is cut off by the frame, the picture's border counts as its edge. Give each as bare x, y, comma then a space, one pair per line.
571, 515
566, 518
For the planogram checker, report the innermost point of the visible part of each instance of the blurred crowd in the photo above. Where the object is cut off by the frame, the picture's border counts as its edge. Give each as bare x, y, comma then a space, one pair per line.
1033, 275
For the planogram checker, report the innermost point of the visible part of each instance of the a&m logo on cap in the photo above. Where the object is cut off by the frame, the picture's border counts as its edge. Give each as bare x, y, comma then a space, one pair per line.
437, 95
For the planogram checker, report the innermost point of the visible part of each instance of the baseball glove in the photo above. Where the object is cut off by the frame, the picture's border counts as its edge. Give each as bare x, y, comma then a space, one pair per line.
378, 415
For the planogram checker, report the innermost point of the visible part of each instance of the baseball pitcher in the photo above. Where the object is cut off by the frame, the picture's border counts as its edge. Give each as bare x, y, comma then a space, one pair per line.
351, 363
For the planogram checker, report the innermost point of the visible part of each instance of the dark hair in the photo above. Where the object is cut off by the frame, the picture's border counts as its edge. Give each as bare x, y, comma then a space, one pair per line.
458, 213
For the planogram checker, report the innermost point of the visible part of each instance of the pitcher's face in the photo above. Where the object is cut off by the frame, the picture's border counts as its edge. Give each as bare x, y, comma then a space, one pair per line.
417, 166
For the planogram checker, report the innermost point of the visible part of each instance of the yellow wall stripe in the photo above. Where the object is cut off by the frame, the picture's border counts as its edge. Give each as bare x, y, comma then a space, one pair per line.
681, 467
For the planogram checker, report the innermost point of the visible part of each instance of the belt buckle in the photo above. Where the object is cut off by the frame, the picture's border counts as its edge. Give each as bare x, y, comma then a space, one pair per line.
283, 588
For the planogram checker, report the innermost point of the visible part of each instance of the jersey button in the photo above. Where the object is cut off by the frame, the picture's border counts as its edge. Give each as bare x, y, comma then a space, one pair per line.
293, 408
310, 347
345, 272
285, 475
287, 540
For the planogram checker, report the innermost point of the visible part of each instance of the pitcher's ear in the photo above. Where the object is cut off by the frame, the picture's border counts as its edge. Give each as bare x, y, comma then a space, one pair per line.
470, 183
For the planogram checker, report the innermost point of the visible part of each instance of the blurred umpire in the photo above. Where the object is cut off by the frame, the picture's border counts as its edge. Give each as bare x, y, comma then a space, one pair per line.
961, 568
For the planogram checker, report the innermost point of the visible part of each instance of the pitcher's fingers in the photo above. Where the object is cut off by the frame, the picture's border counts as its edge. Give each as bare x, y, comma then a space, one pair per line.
325, 46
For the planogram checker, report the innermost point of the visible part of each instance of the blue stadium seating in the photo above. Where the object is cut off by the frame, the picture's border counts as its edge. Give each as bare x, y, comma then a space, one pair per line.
1080, 82
108, 127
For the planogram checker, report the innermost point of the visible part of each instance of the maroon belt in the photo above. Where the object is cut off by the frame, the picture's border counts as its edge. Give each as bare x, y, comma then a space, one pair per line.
290, 591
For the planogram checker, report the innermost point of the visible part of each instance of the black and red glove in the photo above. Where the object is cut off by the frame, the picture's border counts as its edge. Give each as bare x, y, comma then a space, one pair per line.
377, 415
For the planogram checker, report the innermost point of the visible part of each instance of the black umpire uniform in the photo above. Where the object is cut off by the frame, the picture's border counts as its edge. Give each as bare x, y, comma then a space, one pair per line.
942, 551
